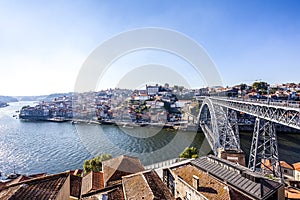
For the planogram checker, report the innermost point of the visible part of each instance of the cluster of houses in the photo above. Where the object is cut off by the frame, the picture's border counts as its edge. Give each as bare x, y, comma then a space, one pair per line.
124, 178
154, 104
60, 107
288, 91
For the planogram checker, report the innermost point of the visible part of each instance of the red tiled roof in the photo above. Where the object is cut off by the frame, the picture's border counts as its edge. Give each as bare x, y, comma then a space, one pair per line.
291, 193
207, 183
46, 187
115, 168
145, 185
297, 166
286, 165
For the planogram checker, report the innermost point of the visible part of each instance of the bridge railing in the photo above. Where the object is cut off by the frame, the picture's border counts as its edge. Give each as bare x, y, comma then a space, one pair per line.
270, 101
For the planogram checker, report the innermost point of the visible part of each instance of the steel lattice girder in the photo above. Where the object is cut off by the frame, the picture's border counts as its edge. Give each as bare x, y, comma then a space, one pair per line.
264, 149
227, 137
288, 116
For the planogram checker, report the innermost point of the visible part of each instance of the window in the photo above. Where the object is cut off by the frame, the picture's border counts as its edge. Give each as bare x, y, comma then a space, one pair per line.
187, 196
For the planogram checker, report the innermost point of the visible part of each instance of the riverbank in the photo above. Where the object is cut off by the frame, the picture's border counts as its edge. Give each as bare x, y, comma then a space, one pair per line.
183, 126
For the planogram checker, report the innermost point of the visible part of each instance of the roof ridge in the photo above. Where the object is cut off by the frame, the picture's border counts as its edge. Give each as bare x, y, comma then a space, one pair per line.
39, 178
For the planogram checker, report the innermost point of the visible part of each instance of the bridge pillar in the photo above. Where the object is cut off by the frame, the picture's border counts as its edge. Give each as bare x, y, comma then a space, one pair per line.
233, 121
264, 149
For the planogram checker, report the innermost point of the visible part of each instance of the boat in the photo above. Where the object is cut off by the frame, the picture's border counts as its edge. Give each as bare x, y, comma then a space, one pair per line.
127, 126
12, 176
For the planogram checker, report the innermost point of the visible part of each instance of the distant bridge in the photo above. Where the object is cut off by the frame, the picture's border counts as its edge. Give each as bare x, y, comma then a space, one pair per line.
218, 120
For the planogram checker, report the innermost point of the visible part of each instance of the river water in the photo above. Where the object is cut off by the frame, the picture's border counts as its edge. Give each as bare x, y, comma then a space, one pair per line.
35, 147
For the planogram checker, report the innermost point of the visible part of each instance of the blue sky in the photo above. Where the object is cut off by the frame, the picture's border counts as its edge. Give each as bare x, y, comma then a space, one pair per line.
44, 43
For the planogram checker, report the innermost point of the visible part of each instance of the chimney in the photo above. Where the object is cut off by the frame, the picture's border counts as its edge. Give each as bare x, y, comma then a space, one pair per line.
195, 182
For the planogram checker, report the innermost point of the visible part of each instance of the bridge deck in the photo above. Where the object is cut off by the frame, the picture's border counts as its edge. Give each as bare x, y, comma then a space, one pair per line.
282, 112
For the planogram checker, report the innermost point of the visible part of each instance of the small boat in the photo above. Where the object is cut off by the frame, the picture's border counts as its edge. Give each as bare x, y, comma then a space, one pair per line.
12, 176
127, 126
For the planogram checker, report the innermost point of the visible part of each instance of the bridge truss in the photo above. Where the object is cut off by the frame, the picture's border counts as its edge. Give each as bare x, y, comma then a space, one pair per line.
218, 120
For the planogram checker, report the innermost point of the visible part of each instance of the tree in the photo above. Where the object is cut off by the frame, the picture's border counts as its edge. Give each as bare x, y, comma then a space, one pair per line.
243, 86
95, 164
189, 152
260, 86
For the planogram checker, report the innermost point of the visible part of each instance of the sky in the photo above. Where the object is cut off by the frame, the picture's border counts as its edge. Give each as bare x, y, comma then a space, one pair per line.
43, 44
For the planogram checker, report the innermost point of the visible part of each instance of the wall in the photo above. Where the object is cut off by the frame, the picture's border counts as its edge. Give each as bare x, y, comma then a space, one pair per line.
64, 192
287, 171
182, 189
297, 175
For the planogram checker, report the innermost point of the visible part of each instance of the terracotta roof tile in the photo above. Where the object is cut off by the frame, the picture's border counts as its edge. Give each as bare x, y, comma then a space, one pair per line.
145, 185
297, 166
136, 187
39, 188
208, 186
291, 193
286, 165
115, 168
158, 188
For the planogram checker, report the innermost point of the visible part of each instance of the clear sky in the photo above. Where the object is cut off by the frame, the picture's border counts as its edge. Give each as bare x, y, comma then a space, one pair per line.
44, 43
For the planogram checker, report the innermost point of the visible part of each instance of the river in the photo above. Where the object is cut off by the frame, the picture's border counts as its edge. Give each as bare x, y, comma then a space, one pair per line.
35, 147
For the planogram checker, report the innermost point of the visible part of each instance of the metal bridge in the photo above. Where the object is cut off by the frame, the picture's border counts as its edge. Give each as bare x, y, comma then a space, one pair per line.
218, 120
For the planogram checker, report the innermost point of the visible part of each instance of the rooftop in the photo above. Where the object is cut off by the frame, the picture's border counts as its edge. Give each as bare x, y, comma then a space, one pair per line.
46, 187
210, 187
237, 177
286, 165
115, 168
292, 193
145, 185
92, 181
297, 166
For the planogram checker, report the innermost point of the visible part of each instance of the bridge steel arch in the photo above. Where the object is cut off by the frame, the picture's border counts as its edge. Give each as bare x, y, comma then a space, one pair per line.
219, 125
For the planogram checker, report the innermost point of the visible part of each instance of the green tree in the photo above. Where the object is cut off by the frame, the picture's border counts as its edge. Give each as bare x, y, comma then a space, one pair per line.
189, 152
242, 86
260, 86
95, 164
